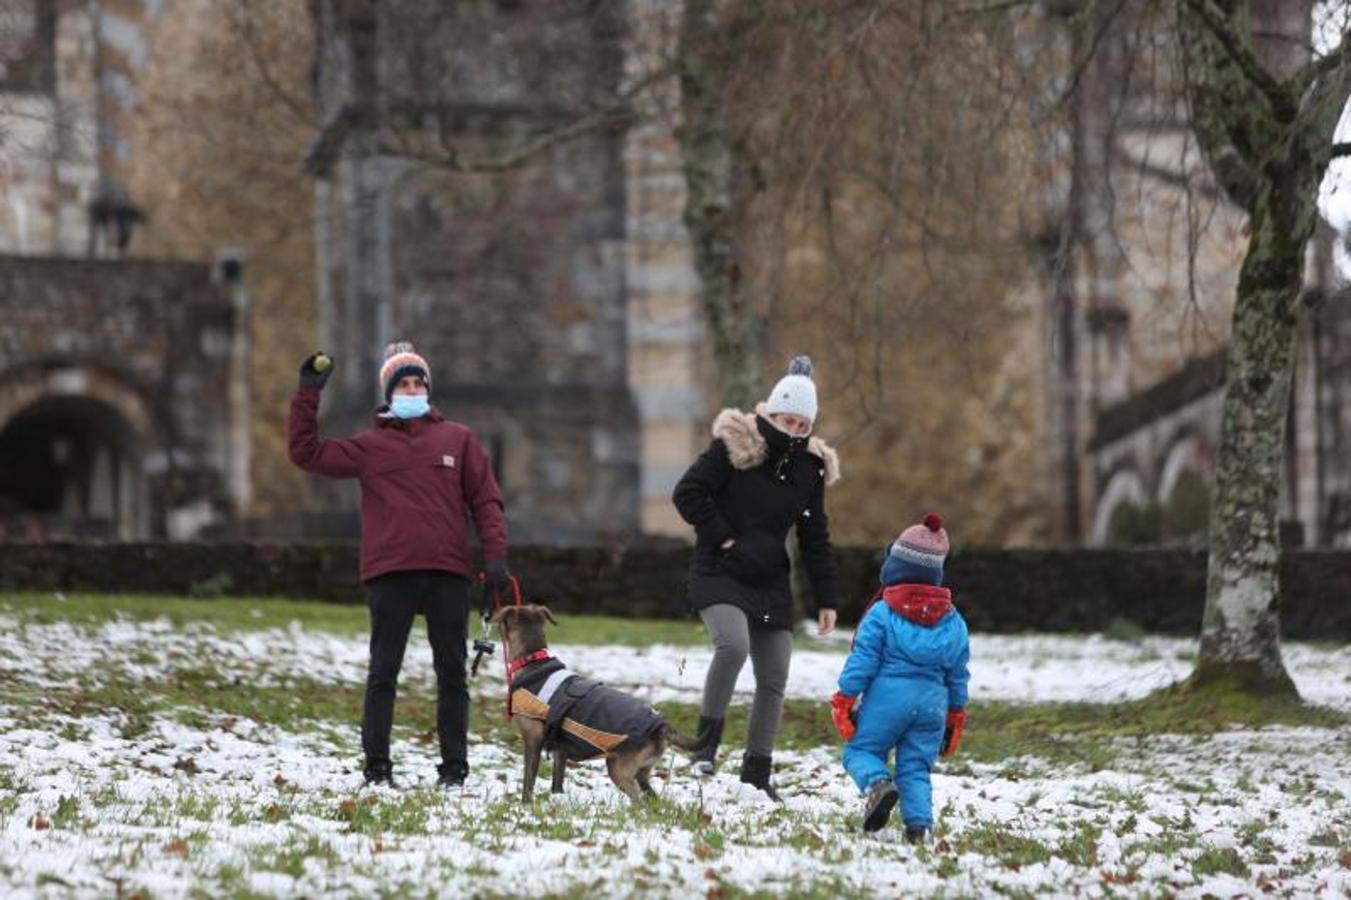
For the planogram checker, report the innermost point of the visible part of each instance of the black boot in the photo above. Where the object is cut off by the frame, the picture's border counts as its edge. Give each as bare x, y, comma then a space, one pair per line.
882, 798
449, 777
379, 773
914, 834
755, 771
705, 760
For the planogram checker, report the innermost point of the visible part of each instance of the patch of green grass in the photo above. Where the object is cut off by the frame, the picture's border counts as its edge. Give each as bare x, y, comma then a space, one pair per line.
202, 807
1328, 837
1089, 733
1256, 837
229, 879
1213, 861
1133, 801
224, 614
289, 859
374, 816
236, 614
824, 888
1080, 847
72, 731
1001, 843
806, 724
47, 878
204, 695
1177, 834
67, 813
573, 629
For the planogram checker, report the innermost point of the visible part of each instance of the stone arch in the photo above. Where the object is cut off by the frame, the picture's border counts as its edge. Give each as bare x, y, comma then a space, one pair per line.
1188, 451
73, 440
1184, 486
1124, 486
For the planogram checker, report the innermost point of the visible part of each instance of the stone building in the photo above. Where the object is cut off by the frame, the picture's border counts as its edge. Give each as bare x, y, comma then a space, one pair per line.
553, 297
122, 400
1136, 313
1153, 453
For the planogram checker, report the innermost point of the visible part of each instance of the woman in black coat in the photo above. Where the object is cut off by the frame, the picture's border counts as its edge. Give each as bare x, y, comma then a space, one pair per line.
762, 475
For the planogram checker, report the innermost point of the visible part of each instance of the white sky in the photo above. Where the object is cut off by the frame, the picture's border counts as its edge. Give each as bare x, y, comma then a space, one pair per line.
1334, 200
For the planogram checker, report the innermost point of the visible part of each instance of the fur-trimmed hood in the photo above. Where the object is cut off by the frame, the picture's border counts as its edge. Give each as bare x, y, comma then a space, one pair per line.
747, 448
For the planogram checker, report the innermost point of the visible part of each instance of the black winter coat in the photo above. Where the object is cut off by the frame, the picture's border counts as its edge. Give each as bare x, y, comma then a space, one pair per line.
753, 483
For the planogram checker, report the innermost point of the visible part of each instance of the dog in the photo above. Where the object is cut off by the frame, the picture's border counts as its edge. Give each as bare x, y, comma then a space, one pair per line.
576, 718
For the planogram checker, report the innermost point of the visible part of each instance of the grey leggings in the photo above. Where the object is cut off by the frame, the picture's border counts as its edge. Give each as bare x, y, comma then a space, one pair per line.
769, 649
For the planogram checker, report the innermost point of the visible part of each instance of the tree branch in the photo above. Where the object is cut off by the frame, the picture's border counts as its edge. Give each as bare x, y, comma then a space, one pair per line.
450, 158
443, 153
1315, 69
1322, 111
1082, 64
1239, 48
994, 6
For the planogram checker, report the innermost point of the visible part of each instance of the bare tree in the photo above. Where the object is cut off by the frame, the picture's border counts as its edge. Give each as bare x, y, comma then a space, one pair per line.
1268, 140
710, 171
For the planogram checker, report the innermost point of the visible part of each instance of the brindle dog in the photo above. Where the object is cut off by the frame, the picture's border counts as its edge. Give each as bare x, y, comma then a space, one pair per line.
630, 767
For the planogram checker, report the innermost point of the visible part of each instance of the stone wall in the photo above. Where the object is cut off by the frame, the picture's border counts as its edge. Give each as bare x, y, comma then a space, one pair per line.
134, 357
511, 283
997, 590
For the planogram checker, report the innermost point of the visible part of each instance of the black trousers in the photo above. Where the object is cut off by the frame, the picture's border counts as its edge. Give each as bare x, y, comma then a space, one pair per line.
394, 599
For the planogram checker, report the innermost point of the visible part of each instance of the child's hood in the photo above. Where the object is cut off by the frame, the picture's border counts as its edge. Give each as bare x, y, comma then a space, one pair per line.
923, 604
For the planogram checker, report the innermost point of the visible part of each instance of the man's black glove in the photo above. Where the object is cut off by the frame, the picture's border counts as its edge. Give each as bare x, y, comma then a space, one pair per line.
496, 583
314, 371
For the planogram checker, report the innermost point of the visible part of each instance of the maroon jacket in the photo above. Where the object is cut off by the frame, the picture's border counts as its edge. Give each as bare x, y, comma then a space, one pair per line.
421, 479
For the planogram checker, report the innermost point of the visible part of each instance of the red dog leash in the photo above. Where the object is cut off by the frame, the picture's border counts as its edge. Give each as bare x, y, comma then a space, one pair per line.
497, 604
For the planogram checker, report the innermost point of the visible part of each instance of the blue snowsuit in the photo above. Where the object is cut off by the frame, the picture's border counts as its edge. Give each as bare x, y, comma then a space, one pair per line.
910, 675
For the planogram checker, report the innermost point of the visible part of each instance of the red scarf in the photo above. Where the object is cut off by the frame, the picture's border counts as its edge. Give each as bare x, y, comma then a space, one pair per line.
923, 604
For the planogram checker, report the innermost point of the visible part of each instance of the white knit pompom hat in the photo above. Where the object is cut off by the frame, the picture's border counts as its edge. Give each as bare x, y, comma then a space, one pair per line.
796, 392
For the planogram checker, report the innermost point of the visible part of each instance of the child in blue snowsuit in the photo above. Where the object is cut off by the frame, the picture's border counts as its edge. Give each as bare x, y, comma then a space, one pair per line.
909, 662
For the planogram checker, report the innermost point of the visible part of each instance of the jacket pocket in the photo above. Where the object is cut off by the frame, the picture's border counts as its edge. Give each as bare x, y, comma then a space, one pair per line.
755, 558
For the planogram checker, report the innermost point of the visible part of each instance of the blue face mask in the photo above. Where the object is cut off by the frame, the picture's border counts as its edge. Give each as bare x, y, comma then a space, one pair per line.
409, 406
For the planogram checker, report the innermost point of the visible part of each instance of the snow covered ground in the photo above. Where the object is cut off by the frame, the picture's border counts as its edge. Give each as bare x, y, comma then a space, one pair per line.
1018, 668
104, 790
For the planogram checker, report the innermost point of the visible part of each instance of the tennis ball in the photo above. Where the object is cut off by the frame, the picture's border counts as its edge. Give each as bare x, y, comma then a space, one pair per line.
322, 362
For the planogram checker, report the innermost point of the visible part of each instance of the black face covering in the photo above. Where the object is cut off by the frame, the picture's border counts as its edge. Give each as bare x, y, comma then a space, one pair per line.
782, 446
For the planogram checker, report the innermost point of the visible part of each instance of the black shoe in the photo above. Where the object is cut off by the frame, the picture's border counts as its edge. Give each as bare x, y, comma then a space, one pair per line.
755, 771
882, 799
379, 775
914, 834
450, 777
705, 761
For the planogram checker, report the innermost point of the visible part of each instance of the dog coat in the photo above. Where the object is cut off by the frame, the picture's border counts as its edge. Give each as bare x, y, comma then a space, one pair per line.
584, 717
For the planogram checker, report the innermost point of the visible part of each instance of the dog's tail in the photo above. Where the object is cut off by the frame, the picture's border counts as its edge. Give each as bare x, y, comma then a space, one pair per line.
692, 744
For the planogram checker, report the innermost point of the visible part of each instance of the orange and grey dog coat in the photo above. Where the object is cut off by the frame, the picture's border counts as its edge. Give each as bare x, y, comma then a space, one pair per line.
583, 716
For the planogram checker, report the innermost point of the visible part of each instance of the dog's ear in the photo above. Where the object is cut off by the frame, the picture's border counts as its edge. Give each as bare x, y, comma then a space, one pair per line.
501, 614
548, 615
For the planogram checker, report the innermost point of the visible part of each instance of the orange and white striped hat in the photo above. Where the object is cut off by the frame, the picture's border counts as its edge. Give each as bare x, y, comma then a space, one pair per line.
400, 360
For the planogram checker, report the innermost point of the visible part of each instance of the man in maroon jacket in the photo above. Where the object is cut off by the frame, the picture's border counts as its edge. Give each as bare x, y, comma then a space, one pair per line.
422, 476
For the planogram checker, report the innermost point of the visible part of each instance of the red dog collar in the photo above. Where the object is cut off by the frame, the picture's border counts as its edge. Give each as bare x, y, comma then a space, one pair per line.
521, 662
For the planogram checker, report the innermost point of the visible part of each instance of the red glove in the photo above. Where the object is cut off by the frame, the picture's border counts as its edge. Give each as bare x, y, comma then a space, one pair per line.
842, 714
952, 734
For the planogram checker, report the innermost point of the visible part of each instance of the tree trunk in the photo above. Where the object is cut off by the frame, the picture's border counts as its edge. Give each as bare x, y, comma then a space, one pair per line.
709, 171
1240, 631
1267, 138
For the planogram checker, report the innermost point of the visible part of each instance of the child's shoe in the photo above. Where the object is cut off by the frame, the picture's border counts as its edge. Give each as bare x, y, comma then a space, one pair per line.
882, 799
915, 834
